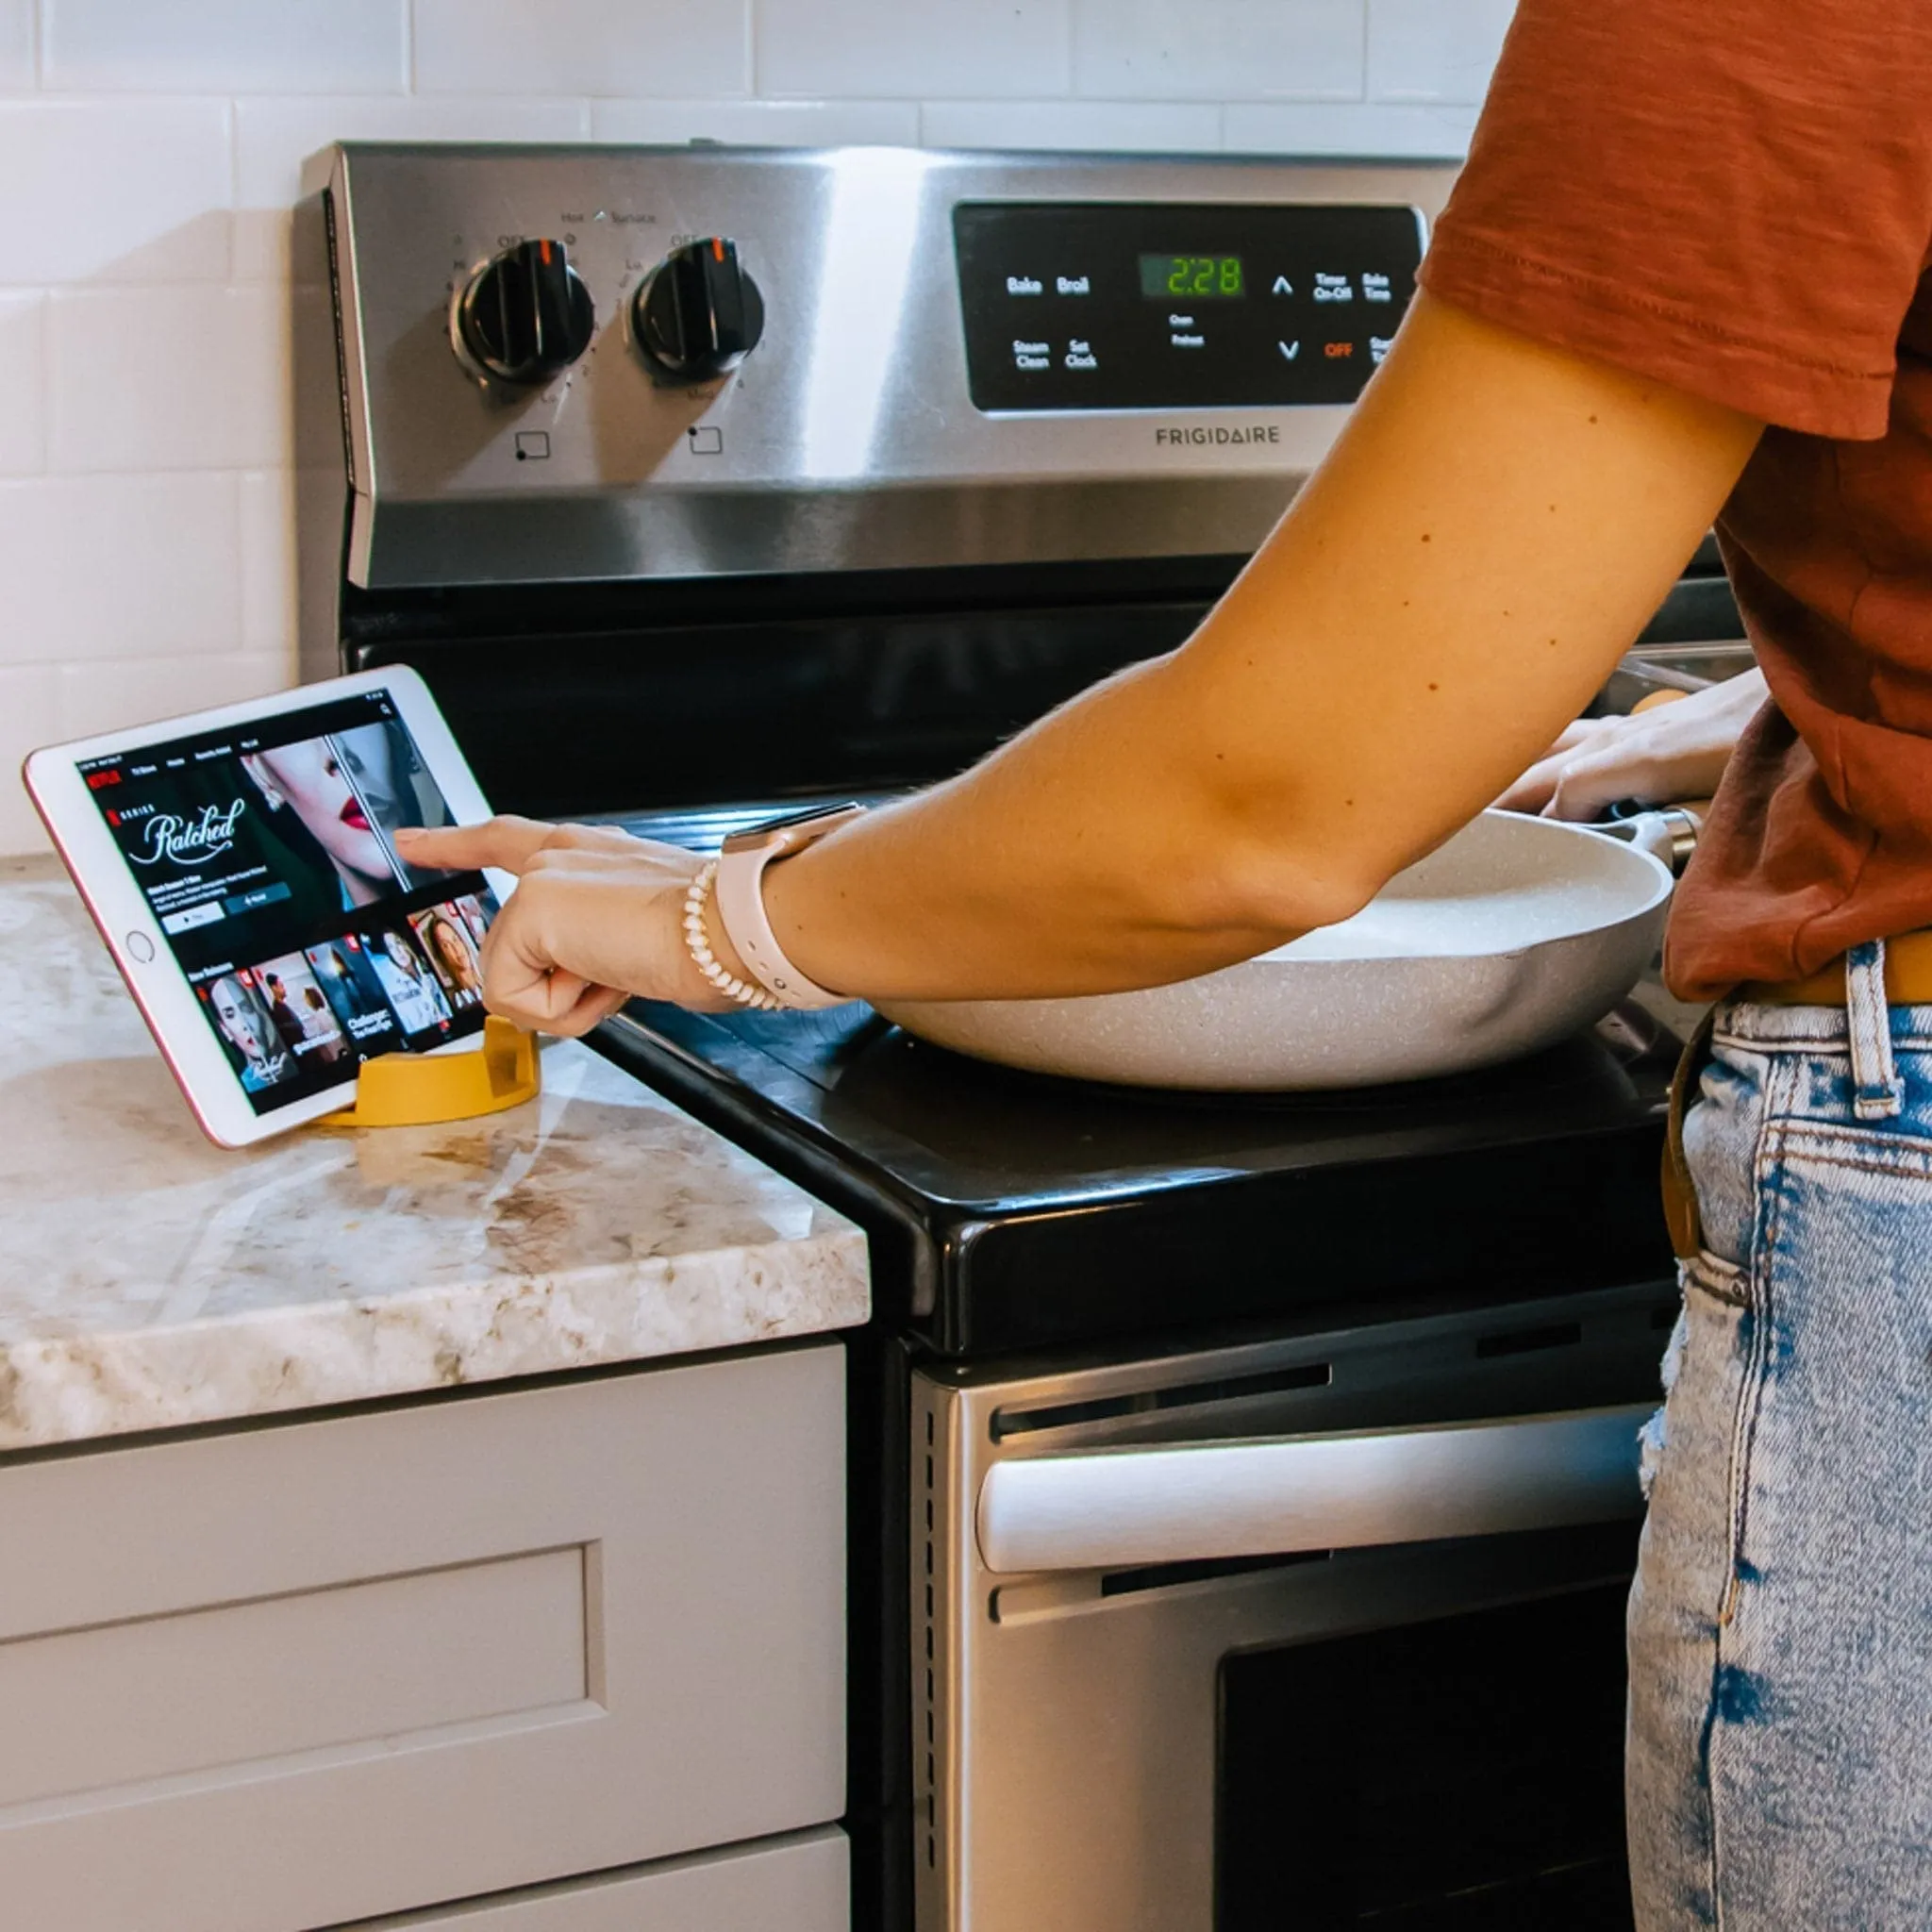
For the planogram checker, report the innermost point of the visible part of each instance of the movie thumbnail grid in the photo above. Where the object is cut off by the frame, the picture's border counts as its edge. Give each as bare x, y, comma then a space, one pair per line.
397, 984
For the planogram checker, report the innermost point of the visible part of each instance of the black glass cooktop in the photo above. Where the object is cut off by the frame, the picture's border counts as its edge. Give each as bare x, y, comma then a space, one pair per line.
1014, 1210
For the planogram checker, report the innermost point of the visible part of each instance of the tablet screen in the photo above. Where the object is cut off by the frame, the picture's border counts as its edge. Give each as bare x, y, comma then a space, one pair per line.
265, 854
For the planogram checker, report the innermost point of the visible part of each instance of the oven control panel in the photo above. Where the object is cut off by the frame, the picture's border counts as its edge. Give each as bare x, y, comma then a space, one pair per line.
602, 363
1173, 305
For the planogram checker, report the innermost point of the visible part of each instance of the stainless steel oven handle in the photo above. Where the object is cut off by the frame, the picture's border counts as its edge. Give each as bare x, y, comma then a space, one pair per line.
1114, 1508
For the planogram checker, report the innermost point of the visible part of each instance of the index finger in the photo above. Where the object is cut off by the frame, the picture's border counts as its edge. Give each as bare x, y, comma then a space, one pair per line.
1534, 787
506, 843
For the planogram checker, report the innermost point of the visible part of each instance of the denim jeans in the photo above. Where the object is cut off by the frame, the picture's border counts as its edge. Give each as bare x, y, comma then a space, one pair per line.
1781, 1747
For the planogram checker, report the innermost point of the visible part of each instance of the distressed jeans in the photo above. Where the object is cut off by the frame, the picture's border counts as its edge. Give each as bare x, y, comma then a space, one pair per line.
1780, 1746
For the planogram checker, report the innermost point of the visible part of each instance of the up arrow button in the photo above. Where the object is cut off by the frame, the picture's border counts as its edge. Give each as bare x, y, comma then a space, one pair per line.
1283, 286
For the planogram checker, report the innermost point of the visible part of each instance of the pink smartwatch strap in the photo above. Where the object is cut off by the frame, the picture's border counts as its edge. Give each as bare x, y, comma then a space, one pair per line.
740, 902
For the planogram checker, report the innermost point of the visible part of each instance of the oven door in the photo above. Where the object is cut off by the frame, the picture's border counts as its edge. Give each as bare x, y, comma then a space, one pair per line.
1319, 1632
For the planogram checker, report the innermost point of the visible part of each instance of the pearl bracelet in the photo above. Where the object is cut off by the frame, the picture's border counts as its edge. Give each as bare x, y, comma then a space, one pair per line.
728, 984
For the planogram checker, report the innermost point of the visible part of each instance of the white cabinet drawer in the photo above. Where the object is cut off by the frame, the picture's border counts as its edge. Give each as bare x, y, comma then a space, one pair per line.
288, 1676
800, 1884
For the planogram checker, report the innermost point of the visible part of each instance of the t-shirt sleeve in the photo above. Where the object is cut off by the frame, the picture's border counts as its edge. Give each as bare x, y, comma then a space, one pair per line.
1730, 197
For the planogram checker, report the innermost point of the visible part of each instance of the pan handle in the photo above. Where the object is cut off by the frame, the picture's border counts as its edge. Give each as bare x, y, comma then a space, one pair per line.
1115, 1508
1668, 832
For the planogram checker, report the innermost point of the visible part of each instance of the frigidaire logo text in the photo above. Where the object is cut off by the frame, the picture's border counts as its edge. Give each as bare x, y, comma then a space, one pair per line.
208, 835
1221, 433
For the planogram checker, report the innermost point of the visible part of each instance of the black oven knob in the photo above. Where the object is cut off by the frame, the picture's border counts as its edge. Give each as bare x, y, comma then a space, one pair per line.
698, 315
525, 314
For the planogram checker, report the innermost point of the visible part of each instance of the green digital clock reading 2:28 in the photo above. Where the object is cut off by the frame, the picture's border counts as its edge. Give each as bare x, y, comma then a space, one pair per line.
1190, 277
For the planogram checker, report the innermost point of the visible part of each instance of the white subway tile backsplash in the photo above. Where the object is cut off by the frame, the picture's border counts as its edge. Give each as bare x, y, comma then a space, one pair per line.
268, 564
23, 384
113, 190
226, 46
955, 49
759, 124
1227, 50
1396, 133
155, 687
30, 718
129, 382
1434, 50
1076, 127
583, 47
16, 46
120, 567
273, 139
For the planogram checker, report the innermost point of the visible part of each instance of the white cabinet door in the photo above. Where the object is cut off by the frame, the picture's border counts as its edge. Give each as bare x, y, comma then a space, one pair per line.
285, 1676
800, 1884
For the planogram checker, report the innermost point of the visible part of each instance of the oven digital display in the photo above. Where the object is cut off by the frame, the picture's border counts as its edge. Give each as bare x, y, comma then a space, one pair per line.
1203, 277
1089, 305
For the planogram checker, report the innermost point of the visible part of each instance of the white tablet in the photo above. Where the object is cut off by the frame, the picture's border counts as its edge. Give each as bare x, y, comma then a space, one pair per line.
241, 867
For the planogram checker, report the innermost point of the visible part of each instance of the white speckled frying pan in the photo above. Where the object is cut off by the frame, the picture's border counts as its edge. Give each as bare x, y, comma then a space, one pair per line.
1514, 934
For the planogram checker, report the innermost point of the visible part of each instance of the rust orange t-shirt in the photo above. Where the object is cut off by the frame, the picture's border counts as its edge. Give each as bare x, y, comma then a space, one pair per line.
1735, 197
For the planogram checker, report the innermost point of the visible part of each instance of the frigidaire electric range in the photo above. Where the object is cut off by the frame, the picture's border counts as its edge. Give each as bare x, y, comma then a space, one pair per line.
1242, 1489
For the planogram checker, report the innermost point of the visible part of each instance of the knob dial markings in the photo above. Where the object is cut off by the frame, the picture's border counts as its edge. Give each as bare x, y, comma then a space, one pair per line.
525, 315
698, 314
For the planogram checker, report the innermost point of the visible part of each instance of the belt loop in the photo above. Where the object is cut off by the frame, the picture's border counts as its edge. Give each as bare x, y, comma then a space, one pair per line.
1880, 1093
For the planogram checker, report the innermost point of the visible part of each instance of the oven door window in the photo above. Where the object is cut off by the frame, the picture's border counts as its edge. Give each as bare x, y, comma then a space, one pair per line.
1464, 1775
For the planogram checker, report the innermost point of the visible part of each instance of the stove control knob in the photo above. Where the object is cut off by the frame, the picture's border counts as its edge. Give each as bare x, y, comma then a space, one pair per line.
525, 315
698, 315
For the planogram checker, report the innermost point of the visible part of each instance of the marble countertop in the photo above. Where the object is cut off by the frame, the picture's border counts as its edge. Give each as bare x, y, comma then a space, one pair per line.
149, 1279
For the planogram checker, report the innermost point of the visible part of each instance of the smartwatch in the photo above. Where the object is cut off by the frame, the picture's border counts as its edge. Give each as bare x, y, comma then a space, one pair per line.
740, 900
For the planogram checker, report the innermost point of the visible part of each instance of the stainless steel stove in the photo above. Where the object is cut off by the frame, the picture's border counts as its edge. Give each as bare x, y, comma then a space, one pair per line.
1232, 1480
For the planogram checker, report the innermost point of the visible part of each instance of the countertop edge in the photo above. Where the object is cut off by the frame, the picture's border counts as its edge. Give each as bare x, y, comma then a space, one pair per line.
68, 1390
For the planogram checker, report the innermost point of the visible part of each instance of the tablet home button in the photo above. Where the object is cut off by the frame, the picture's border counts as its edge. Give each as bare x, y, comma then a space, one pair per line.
140, 947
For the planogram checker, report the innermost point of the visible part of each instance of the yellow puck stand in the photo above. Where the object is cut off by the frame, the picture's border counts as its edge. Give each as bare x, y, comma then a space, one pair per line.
409, 1090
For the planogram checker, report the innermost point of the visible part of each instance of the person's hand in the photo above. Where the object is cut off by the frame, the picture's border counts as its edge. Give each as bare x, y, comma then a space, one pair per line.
1675, 751
597, 918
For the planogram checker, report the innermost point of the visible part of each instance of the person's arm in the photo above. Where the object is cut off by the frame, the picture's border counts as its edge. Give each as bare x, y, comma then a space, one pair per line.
1677, 751
1495, 524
